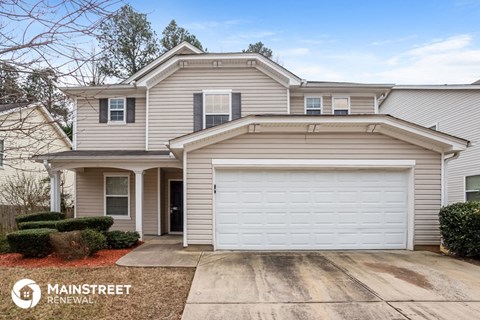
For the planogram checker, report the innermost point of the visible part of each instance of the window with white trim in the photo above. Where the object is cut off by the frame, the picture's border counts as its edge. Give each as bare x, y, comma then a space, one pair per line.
472, 188
217, 108
116, 109
313, 105
341, 105
2, 153
117, 193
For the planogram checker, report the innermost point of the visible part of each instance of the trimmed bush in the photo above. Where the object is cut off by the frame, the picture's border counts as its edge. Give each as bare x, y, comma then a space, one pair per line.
4, 247
31, 242
460, 228
37, 225
93, 240
121, 239
97, 223
40, 216
77, 244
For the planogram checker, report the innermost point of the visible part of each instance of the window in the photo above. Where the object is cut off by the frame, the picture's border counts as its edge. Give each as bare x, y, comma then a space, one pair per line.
2, 152
313, 105
217, 108
117, 190
116, 110
472, 188
341, 105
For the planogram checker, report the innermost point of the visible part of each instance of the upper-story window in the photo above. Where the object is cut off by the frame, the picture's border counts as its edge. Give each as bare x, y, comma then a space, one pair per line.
2, 152
472, 188
218, 107
116, 110
341, 105
313, 105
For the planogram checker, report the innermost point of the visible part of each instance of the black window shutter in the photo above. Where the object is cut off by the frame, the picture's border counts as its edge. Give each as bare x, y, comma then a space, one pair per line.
103, 110
236, 105
130, 110
197, 111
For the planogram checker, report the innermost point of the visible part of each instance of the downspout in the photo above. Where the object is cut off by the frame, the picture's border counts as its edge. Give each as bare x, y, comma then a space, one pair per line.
445, 176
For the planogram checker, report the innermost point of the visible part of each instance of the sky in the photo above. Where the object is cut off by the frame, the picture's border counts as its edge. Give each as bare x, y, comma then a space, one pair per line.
389, 41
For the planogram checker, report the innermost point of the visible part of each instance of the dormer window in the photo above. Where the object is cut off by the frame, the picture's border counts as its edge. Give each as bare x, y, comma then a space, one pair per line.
116, 110
218, 107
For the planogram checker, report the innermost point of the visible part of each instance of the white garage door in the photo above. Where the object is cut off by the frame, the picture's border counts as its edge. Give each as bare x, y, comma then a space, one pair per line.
288, 210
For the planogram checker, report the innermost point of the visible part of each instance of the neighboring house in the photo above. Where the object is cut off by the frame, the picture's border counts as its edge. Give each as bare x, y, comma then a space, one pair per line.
232, 150
453, 109
27, 130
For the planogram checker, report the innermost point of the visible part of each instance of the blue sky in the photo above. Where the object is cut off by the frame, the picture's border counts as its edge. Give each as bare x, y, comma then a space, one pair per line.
394, 41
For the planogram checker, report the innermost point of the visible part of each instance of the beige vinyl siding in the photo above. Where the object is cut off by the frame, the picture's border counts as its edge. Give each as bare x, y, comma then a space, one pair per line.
91, 196
171, 101
362, 105
297, 105
92, 135
318, 146
457, 112
150, 202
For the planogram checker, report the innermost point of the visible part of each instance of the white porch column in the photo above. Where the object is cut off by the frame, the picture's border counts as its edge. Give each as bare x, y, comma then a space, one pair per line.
55, 197
139, 202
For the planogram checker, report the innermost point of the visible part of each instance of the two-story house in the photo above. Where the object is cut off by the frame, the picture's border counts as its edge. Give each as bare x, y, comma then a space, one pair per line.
233, 150
453, 109
27, 130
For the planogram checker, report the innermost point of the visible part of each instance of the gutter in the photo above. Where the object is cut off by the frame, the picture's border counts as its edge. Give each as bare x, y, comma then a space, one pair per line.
444, 179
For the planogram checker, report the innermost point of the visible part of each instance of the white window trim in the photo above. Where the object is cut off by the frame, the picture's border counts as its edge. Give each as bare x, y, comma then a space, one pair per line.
340, 97
115, 174
465, 186
207, 92
309, 97
124, 111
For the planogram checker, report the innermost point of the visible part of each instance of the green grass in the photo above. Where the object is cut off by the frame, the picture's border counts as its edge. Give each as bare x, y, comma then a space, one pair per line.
4, 247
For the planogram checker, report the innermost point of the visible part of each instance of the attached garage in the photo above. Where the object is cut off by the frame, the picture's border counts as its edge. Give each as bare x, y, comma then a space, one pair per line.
283, 209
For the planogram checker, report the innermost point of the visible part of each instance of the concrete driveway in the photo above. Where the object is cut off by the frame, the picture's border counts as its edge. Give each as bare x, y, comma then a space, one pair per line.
333, 285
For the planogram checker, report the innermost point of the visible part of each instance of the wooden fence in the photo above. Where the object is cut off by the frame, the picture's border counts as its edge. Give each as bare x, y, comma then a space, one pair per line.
8, 214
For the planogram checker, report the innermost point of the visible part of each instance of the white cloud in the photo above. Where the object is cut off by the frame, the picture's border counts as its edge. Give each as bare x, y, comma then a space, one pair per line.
446, 45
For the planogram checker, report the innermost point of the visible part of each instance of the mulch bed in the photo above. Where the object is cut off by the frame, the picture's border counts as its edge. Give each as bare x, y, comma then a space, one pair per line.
102, 258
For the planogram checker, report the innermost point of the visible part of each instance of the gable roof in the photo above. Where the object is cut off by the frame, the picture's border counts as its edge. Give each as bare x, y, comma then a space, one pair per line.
15, 107
375, 123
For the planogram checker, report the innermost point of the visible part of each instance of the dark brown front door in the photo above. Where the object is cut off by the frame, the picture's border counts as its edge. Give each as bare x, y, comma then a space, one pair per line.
176, 206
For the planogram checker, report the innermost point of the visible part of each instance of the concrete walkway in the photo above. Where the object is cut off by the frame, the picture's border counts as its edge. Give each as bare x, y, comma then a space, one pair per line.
333, 285
164, 251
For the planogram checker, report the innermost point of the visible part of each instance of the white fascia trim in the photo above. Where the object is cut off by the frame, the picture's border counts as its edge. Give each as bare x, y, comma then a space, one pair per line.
438, 87
436, 136
288, 101
74, 127
147, 111
163, 57
313, 163
212, 56
185, 200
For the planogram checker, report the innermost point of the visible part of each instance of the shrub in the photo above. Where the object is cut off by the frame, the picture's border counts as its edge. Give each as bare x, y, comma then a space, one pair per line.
97, 223
460, 228
68, 245
93, 240
31, 242
77, 244
121, 239
37, 225
40, 216
4, 247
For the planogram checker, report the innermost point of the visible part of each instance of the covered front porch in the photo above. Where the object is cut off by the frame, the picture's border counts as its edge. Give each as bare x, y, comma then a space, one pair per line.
142, 190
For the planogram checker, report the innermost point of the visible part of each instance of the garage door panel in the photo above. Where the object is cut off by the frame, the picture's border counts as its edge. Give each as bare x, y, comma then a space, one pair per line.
291, 209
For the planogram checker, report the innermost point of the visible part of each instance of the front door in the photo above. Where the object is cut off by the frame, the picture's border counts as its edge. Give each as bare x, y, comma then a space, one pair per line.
176, 206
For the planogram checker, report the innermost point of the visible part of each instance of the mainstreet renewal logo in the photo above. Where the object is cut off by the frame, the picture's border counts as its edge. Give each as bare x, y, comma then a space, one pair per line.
26, 293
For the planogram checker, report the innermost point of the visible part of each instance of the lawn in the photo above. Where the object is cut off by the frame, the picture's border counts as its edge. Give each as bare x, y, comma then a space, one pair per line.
156, 293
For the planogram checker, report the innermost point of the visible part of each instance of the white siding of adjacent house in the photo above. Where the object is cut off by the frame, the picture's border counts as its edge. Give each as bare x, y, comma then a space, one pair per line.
318, 146
93, 135
171, 101
457, 112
